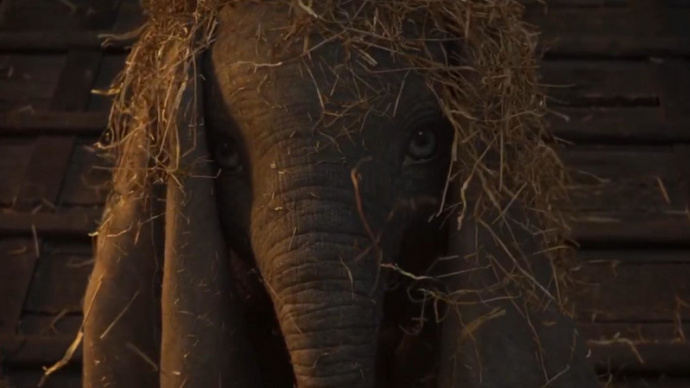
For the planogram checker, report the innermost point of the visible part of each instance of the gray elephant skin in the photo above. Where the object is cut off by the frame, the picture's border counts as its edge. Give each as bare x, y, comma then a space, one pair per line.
288, 269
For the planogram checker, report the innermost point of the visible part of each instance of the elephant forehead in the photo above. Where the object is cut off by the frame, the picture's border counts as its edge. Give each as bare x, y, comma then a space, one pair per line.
255, 61
273, 91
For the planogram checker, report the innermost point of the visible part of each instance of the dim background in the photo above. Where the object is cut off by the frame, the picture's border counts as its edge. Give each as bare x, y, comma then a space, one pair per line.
618, 77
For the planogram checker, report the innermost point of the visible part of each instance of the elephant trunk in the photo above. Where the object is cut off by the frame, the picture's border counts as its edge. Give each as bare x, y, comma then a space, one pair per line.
330, 331
322, 272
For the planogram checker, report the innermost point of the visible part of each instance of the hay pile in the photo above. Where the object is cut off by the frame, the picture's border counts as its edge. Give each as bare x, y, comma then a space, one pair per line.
503, 153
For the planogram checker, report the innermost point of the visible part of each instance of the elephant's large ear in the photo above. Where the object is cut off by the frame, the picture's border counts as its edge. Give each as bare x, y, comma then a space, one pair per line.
203, 343
497, 337
122, 304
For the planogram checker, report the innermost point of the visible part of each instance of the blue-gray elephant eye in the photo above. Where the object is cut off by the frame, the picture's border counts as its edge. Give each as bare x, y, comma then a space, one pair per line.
227, 156
422, 145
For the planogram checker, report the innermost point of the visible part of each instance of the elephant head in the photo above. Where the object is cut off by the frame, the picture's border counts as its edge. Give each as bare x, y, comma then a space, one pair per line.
331, 167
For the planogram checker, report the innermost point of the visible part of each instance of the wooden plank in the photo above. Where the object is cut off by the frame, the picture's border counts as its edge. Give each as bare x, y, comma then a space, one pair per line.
613, 31
626, 125
618, 291
649, 347
100, 16
58, 16
111, 66
50, 325
53, 123
87, 180
628, 195
130, 17
27, 81
43, 68
597, 4
68, 223
673, 76
36, 14
610, 230
59, 284
4, 6
682, 152
74, 88
20, 97
17, 260
664, 255
53, 303
646, 382
75, 247
43, 178
30, 377
14, 159
652, 16
35, 350
576, 21
612, 47
45, 41
51, 156
628, 183
599, 83
616, 22
575, 3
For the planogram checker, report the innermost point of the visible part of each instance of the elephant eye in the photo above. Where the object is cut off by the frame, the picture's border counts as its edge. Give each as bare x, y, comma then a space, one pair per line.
422, 145
227, 155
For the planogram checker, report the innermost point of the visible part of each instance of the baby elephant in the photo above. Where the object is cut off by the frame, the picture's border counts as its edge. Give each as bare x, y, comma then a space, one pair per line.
299, 238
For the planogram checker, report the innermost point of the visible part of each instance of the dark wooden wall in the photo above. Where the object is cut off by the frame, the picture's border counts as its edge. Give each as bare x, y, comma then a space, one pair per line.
621, 76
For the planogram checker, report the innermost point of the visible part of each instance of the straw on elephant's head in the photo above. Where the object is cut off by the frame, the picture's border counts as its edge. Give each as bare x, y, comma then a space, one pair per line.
503, 153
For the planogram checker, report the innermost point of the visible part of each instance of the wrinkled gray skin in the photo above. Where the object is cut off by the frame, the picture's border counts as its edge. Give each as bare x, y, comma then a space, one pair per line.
288, 196
310, 212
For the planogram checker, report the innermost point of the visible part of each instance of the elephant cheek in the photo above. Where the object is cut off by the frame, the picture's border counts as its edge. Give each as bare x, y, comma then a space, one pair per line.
327, 292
